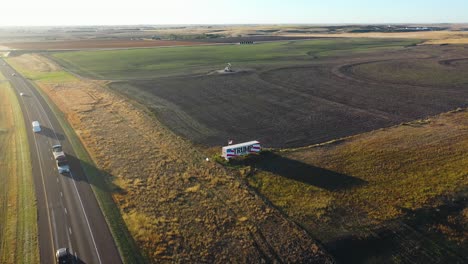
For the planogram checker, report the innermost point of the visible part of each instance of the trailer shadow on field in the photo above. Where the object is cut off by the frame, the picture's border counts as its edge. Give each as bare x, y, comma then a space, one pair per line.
306, 173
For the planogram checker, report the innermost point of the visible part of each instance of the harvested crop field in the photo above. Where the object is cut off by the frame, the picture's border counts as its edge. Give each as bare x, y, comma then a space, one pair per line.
334, 96
177, 206
96, 44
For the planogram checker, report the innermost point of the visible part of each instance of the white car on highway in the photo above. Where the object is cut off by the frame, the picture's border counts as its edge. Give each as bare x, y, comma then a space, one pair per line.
36, 127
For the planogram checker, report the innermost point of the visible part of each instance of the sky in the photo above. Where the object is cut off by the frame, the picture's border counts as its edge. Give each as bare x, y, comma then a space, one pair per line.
158, 12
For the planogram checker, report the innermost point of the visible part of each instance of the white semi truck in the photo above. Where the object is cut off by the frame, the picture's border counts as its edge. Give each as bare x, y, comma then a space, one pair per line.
241, 149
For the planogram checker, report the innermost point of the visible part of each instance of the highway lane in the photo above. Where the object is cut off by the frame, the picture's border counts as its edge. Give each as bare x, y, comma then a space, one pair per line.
68, 213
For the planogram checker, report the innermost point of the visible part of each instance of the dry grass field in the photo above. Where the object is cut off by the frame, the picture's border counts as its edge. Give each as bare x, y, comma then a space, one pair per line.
430, 37
397, 193
452, 35
178, 207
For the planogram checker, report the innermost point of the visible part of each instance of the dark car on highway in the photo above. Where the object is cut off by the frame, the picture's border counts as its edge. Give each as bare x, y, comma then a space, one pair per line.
63, 256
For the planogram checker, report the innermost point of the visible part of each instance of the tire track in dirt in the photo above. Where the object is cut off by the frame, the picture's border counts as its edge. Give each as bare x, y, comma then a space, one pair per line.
451, 62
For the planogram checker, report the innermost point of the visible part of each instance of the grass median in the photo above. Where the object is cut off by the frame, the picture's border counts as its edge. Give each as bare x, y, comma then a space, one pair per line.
18, 212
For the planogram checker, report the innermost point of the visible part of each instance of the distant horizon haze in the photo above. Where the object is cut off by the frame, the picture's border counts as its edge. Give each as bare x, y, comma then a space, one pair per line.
240, 12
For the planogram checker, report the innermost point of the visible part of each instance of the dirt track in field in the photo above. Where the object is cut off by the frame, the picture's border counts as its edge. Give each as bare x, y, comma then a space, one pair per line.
97, 44
452, 62
297, 106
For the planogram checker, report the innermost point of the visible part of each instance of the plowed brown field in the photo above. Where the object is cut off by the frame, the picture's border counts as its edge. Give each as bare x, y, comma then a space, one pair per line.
295, 106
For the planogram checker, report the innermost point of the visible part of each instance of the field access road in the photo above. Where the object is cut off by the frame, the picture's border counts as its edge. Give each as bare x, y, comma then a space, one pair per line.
68, 213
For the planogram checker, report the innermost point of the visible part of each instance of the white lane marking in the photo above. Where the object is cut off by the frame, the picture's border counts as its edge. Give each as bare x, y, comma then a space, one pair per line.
74, 180
43, 110
69, 230
86, 217
53, 235
55, 229
66, 212
57, 180
61, 195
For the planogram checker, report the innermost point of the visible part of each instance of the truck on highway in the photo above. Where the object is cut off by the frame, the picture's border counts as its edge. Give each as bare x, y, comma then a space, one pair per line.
58, 151
60, 159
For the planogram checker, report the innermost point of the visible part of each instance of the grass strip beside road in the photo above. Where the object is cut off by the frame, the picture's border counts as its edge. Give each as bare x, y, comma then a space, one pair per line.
41, 74
18, 212
124, 241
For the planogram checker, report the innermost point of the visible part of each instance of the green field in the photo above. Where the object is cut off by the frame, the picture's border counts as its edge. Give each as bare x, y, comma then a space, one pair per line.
18, 212
157, 62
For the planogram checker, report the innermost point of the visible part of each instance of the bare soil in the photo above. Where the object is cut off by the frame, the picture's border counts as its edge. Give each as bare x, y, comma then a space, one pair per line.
302, 105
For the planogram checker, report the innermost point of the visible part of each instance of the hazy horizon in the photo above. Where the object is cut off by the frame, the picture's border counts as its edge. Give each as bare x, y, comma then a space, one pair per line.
241, 12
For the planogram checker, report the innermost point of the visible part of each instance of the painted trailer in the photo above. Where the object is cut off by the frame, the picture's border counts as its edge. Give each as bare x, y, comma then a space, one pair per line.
240, 149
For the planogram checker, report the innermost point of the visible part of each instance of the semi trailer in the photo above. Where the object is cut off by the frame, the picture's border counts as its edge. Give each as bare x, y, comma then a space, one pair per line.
240, 149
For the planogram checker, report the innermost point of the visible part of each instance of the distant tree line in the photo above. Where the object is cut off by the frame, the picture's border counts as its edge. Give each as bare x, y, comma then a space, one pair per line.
246, 42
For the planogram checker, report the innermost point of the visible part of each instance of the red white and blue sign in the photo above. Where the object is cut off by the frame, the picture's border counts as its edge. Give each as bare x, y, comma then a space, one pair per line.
241, 149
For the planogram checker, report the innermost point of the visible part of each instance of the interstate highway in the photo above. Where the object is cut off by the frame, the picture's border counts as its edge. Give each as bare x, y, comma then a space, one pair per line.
68, 213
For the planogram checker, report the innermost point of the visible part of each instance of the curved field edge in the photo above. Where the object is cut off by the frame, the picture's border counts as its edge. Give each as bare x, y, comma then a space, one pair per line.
442, 73
18, 212
159, 62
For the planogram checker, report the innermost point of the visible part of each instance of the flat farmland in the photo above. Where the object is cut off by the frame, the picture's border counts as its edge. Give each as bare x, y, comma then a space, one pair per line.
96, 44
357, 195
285, 94
149, 64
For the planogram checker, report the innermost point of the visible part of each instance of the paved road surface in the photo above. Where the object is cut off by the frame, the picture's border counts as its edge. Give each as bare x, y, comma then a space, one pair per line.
68, 213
